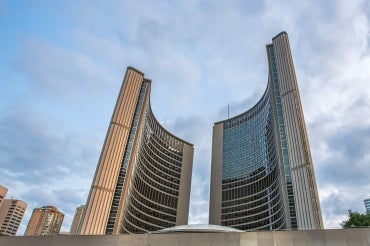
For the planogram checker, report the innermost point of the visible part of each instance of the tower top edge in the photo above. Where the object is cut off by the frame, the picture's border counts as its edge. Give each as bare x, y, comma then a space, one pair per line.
135, 69
280, 34
147, 80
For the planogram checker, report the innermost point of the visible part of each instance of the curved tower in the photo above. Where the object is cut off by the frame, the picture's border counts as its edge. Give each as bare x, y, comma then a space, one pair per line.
262, 175
142, 181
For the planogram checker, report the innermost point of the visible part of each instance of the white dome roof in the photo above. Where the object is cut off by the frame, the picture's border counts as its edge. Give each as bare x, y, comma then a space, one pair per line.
197, 228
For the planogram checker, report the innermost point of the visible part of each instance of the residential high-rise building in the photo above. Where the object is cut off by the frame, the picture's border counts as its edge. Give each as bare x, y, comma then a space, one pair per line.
77, 220
3, 191
367, 205
44, 221
142, 181
11, 215
262, 174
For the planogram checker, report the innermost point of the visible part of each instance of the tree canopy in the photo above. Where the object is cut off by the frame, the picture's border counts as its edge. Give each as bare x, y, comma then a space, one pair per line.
356, 219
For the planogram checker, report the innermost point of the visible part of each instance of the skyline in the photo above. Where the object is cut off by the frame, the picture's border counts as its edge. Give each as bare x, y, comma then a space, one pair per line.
64, 62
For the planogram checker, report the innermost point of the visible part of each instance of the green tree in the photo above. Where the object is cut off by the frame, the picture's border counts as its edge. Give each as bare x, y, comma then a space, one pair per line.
356, 219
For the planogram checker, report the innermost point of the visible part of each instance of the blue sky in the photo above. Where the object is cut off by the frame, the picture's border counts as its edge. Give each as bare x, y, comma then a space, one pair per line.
62, 64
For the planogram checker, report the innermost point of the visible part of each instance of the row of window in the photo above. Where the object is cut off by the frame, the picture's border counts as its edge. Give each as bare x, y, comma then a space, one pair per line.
155, 182
167, 139
162, 152
163, 175
249, 189
252, 201
157, 207
163, 163
269, 220
280, 116
150, 190
151, 211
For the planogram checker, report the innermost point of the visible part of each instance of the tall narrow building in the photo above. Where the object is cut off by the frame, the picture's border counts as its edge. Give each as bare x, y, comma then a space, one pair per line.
3, 191
142, 181
77, 219
44, 221
262, 174
367, 205
11, 215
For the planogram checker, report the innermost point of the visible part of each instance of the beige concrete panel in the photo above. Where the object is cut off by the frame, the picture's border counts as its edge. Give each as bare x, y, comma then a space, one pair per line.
216, 176
95, 221
134, 240
91, 213
317, 237
354, 236
185, 184
117, 116
106, 201
345, 237
303, 237
127, 106
128, 96
283, 239
297, 140
248, 239
265, 238
333, 238
103, 155
107, 149
304, 209
105, 162
85, 216
117, 158
114, 159
120, 99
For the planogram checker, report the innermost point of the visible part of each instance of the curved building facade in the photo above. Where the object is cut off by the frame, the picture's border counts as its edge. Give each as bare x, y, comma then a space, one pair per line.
142, 181
262, 174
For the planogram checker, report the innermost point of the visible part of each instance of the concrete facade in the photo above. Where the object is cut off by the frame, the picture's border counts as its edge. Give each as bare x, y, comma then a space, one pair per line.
11, 215
306, 198
340, 237
3, 191
45, 221
77, 219
262, 171
142, 181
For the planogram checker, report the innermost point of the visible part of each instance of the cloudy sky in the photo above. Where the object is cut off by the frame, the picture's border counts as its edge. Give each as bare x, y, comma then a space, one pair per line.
62, 64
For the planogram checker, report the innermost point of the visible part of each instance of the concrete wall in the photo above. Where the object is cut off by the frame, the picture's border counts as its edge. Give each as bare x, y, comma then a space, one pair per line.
310, 237
215, 200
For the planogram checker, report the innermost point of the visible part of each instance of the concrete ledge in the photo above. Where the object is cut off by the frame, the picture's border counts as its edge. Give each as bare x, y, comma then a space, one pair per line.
337, 237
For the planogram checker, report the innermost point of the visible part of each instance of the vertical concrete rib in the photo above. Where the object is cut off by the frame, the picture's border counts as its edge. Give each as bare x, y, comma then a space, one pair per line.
185, 182
216, 176
305, 189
